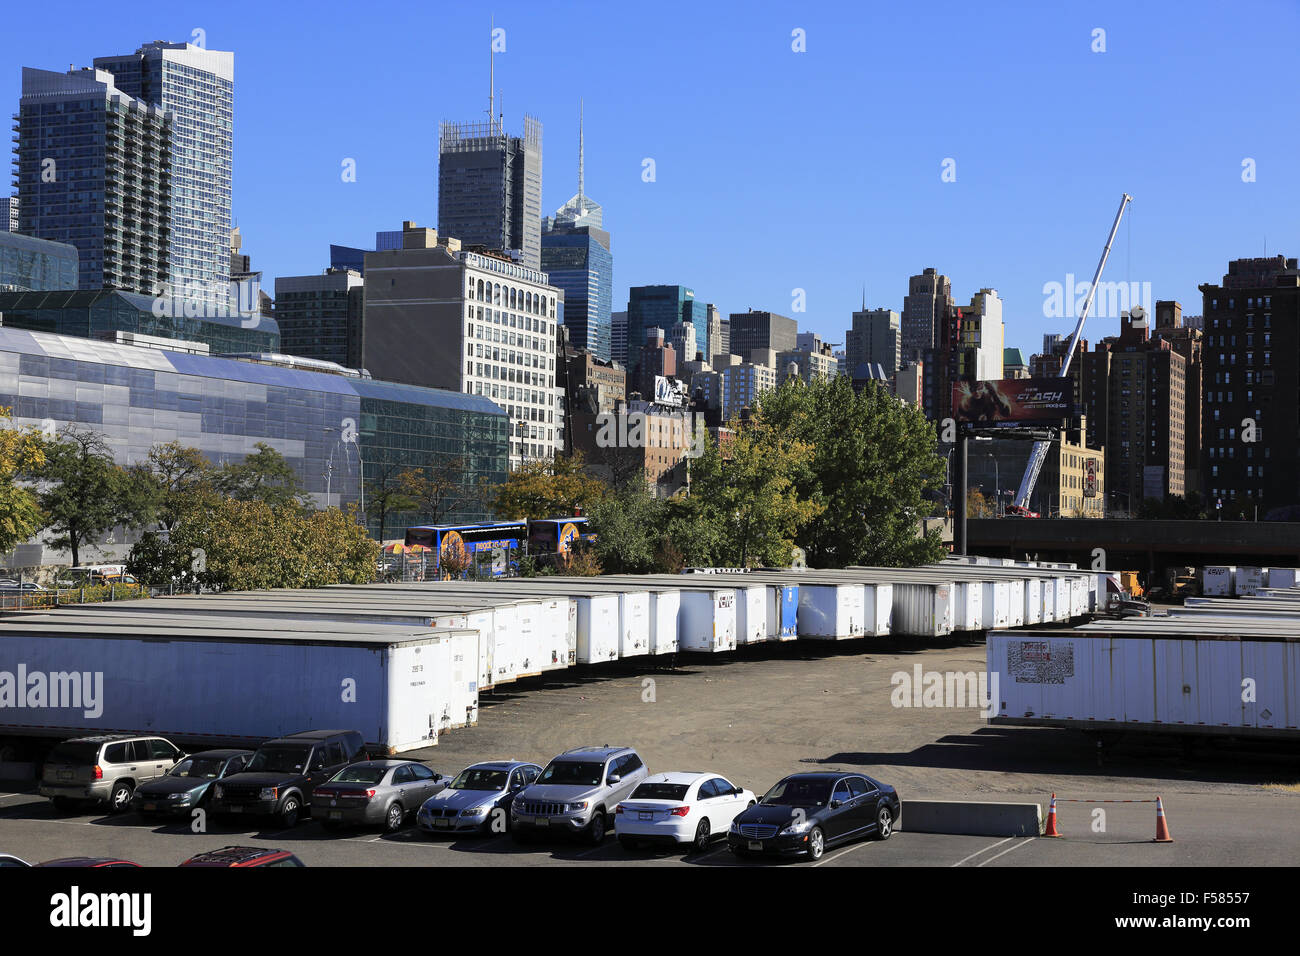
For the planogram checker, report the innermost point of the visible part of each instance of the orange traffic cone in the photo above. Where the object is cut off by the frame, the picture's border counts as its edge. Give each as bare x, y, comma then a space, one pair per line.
1162, 828
1051, 830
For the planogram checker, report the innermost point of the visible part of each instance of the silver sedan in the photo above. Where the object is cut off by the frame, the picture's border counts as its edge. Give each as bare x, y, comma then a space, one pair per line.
375, 792
478, 799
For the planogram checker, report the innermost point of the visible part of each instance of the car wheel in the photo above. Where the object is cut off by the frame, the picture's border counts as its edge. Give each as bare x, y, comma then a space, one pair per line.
120, 799
289, 812
628, 843
703, 833
816, 843
884, 823
596, 829
393, 818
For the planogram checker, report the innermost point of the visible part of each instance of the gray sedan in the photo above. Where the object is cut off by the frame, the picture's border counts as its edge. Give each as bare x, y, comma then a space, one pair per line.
478, 799
375, 792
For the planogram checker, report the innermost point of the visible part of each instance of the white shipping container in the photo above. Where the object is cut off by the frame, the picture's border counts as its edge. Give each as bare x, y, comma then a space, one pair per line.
996, 604
482, 622
877, 608
1247, 581
597, 628
707, 621
1034, 602
968, 605
922, 610
633, 623
408, 687
1281, 577
751, 614
665, 606
1188, 685
831, 612
1217, 581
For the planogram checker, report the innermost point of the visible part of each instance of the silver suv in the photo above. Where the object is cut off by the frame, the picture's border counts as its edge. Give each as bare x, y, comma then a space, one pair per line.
576, 793
104, 769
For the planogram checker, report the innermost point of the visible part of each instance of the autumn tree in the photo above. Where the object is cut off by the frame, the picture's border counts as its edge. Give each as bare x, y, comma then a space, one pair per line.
436, 490
548, 488
21, 453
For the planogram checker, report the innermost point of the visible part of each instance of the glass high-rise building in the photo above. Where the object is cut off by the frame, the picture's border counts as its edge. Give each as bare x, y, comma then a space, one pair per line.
490, 187
196, 87
579, 261
662, 306
94, 172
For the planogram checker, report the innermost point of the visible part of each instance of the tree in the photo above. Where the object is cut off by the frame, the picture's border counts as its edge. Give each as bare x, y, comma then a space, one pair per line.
978, 505
386, 495
166, 477
745, 490
86, 494
548, 489
436, 489
628, 524
872, 463
265, 475
21, 453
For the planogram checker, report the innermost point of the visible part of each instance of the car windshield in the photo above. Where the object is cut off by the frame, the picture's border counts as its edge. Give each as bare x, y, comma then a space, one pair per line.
204, 768
660, 791
74, 753
279, 760
479, 778
360, 775
798, 793
585, 773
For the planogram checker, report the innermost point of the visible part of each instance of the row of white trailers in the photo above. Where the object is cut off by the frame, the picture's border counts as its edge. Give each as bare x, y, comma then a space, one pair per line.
406, 662
1216, 666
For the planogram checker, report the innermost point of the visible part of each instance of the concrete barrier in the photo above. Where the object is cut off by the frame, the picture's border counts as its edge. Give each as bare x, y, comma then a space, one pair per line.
972, 818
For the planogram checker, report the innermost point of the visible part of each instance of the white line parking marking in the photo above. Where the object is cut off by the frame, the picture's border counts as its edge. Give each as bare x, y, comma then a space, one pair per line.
982, 850
845, 852
1026, 842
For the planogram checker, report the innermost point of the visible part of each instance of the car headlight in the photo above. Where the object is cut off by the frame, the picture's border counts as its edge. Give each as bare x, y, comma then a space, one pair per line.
268, 793
474, 812
577, 807
795, 829
735, 827
178, 796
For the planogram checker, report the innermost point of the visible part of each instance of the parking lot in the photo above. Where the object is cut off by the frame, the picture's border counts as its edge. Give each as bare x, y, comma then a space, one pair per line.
772, 711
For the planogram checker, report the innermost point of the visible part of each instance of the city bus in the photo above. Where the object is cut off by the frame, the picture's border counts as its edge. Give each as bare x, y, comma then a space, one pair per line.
480, 543
556, 535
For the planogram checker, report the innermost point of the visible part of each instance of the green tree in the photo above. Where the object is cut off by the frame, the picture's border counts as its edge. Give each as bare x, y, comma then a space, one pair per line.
435, 490
385, 495
628, 524
265, 476
85, 493
872, 464
166, 477
21, 453
548, 489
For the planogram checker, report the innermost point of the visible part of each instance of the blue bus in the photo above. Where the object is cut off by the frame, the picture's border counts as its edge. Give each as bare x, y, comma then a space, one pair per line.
477, 541
557, 535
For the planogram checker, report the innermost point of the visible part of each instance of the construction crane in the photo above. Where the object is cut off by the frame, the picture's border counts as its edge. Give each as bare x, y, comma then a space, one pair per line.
1039, 453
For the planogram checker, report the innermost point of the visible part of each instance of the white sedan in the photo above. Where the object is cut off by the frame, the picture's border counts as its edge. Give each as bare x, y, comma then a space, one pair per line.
679, 808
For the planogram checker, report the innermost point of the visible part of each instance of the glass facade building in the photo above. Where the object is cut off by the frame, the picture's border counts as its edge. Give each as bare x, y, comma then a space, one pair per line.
662, 306
196, 88
35, 265
93, 170
579, 261
98, 315
138, 397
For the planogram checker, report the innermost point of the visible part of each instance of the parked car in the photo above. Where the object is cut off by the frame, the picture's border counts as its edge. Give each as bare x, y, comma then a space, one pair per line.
480, 794
244, 856
808, 813
91, 861
27, 587
576, 793
8, 859
375, 792
188, 784
280, 778
104, 769
680, 809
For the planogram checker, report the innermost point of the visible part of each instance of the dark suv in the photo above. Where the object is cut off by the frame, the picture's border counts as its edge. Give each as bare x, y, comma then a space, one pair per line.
279, 780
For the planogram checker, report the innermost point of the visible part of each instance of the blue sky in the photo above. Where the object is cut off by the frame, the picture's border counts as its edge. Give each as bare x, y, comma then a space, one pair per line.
775, 170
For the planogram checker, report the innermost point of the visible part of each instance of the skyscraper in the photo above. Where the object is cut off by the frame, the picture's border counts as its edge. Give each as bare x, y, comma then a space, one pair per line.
618, 338
926, 309
320, 316
490, 187
661, 306
762, 330
576, 255
196, 86
874, 339
94, 171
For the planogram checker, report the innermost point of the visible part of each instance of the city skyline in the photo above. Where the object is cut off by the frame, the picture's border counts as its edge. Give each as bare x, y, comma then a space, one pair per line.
1092, 120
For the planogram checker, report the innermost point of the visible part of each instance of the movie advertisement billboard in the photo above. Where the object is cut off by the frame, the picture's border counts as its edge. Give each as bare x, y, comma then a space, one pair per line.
1013, 401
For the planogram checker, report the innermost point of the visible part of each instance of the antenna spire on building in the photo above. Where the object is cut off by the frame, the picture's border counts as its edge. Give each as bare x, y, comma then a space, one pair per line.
492, 74
581, 193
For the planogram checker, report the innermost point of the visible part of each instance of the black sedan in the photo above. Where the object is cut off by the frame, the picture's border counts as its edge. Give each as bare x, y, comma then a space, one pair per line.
186, 785
809, 813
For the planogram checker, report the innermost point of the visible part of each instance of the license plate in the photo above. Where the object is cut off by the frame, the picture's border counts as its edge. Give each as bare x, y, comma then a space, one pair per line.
336, 814
65, 774
441, 822
645, 815
755, 845
236, 809
151, 806
542, 822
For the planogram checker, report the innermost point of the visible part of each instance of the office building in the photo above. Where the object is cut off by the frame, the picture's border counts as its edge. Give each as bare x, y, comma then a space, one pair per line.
682, 339
662, 306
657, 358
223, 407
195, 86
1251, 326
762, 330
101, 314
724, 342
320, 316
908, 384
926, 309
618, 338
741, 386
490, 188
9, 214
94, 171
808, 366
713, 343
36, 265
446, 317
578, 261
876, 338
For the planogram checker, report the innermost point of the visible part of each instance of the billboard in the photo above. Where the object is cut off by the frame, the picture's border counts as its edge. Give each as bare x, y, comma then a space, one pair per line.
1013, 401
1090, 478
666, 391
